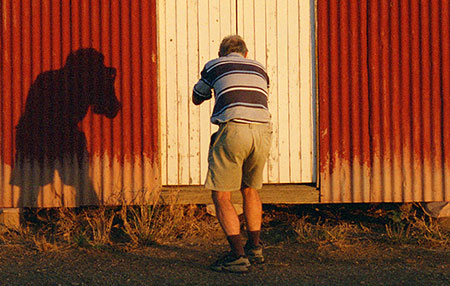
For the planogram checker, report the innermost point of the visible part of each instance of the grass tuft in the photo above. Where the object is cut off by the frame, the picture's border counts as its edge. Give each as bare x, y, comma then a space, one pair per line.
42, 243
320, 233
100, 222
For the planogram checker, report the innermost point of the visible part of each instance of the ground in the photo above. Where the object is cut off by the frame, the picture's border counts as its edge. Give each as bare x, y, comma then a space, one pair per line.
348, 255
181, 264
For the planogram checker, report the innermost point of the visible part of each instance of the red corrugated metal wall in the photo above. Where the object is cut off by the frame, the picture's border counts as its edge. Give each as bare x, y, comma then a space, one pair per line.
384, 105
73, 146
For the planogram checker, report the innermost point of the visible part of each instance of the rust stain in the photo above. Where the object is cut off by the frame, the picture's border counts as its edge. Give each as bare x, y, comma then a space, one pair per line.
383, 104
57, 110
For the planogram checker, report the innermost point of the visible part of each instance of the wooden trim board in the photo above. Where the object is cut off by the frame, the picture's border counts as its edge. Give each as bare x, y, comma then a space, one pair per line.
270, 194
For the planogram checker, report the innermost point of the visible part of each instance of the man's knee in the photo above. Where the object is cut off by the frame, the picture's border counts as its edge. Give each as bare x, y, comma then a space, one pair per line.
250, 194
221, 197
247, 191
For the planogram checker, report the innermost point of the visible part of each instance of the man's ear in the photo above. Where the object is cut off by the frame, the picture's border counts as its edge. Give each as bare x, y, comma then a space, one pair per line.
246, 53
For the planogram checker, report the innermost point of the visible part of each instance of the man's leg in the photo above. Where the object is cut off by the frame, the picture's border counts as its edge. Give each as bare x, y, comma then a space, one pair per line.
236, 261
229, 220
252, 213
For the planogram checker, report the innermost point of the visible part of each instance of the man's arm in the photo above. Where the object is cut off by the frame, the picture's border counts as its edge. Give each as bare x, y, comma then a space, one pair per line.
202, 92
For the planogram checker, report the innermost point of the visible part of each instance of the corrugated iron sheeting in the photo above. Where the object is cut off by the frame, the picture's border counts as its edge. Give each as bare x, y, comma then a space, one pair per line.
384, 105
73, 146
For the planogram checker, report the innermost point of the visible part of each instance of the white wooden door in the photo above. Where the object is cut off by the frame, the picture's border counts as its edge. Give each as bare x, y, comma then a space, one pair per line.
279, 34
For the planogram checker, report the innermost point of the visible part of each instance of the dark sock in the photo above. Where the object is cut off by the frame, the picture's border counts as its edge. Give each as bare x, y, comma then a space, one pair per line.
253, 237
236, 245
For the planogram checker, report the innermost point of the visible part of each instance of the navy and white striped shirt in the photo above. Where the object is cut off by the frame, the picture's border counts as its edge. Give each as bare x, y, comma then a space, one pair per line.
240, 89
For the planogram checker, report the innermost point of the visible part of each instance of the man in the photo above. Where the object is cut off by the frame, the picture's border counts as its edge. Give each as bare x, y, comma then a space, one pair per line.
239, 149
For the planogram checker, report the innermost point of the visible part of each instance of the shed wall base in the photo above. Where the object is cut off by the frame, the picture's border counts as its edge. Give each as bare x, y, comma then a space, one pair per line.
270, 194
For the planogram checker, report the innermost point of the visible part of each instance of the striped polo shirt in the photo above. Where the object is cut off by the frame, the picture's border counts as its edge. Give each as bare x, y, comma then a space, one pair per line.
240, 89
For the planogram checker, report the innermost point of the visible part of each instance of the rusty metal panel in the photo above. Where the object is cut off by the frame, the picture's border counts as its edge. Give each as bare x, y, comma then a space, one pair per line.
383, 100
79, 122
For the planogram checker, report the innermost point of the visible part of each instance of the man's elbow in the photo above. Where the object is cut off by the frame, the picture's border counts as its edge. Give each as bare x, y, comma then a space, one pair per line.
196, 100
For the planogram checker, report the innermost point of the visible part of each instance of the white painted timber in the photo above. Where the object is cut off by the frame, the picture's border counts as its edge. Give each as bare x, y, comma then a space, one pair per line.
271, 60
307, 91
183, 101
278, 34
295, 170
194, 111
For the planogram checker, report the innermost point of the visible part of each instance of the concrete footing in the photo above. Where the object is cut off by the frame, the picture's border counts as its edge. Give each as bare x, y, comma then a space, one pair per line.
437, 209
10, 217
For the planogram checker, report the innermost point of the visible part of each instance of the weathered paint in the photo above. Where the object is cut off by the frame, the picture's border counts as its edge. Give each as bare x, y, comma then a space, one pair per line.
188, 34
122, 163
384, 112
278, 34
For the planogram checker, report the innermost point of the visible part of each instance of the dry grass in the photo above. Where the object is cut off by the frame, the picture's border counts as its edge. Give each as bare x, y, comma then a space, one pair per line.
132, 226
37, 240
399, 233
319, 233
347, 226
141, 225
68, 226
100, 223
42, 244
150, 224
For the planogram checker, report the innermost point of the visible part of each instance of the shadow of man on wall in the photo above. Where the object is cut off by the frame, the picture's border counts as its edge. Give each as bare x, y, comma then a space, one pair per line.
48, 137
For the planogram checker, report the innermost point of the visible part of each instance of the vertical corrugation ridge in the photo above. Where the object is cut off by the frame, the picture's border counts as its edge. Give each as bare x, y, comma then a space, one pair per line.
2, 121
334, 100
323, 89
395, 103
134, 71
426, 144
416, 91
436, 103
406, 88
2, 96
445, 90
139, 90
4, 90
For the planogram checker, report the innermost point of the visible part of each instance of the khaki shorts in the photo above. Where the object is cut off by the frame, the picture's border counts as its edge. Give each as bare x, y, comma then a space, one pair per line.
237, 155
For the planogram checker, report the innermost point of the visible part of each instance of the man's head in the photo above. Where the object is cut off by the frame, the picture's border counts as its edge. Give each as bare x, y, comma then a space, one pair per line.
87, 58
92, 79
233, 44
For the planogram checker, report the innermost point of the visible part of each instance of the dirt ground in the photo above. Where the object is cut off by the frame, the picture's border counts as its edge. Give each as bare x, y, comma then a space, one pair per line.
288, 263
370, 259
